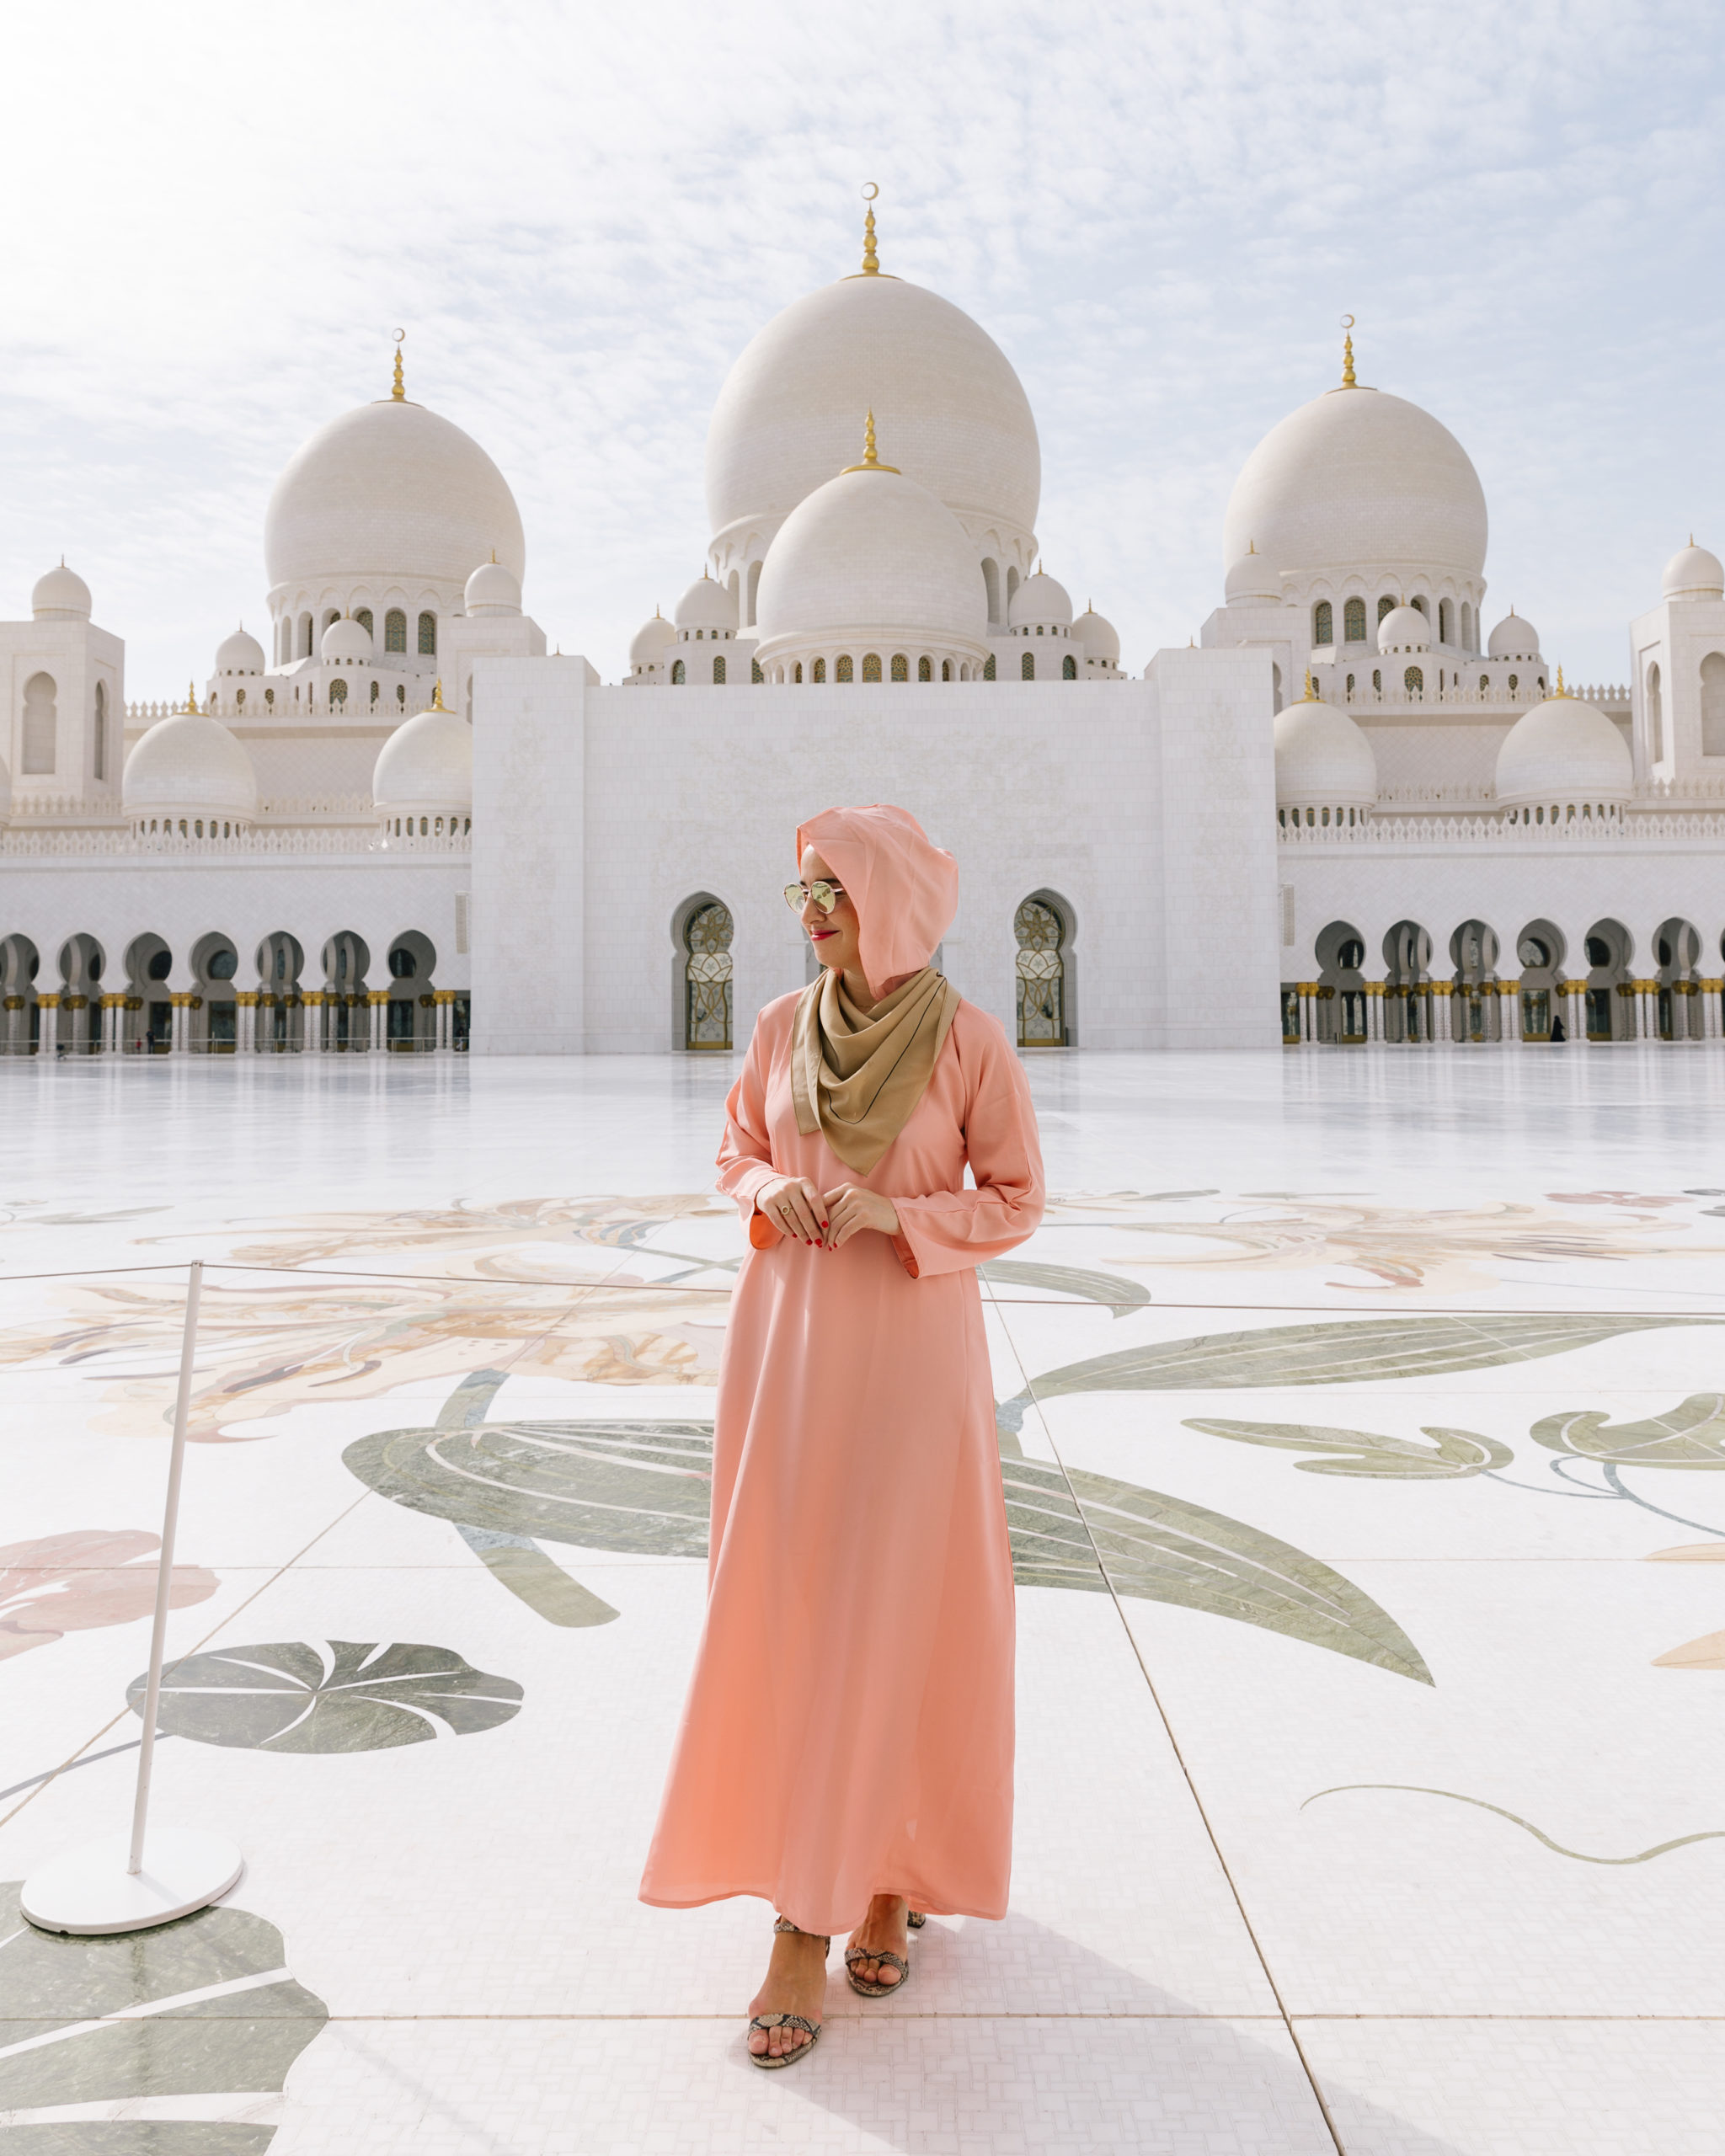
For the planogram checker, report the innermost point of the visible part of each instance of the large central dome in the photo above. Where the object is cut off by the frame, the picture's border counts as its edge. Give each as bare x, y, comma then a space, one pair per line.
390, 490
953, 414
1357, 479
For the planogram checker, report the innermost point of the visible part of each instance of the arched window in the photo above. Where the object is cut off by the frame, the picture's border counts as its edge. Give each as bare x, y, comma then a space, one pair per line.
1377, 680
364, 618
988, 669
98, 747
870, 666
1042, 1011
754, 672
843, 671
1354, 621
818, 671
946, 669
753, 587
1069, 668
338, 691
1421, 604
41, 716
901, 667
991, 586
1466, 627
1485, 683
1656, 715
1515, 684
1026, 667
401, 694
1323, 622
1713, 704
1446, 622
677, 674
797, 671
428, 636
395, 630
707, 979
1413, 681
718, 673
1011, 587
376, 691
239, 701
307, 636
925, 669
1386, 605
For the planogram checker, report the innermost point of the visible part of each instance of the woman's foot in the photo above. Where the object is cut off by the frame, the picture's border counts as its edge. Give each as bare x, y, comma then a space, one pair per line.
796, 1984
885, 1931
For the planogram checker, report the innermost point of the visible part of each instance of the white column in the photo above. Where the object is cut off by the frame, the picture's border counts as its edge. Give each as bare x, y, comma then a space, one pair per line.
1438, 1006
313, 1014
1374, 1014
1308, 1013
48, 1029
181, 1022
1509, 1014
1709, 996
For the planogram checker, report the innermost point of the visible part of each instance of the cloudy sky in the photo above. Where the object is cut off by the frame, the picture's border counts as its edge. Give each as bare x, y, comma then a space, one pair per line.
213, 218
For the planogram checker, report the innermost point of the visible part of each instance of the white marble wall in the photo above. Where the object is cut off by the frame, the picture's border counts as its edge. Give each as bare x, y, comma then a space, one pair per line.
1148, 808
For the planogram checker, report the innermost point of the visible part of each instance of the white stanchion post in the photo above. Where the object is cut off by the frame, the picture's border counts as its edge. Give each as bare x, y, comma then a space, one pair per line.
120, 1884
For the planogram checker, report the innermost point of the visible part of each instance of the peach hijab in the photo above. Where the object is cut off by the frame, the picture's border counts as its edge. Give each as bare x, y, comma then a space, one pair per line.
857, 1073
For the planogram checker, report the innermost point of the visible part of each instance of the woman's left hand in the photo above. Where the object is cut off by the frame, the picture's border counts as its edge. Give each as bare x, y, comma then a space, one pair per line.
851, 1208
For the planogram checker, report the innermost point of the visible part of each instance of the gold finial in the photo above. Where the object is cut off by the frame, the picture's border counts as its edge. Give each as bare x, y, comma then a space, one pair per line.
1562, 691
1310, 693
870, 462
871, 260
191, 696
437, 702
1348, 381
398, 394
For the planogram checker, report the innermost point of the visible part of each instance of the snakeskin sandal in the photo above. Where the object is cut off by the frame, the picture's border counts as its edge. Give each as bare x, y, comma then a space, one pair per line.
864, 1986
766, 2021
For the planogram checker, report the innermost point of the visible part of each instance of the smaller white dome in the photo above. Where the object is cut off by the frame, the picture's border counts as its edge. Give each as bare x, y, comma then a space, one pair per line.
190, 765
1563, 750
61, 595
346, 642
1251, 582
426, 765
493, 589
1694, 573
1513, 639
871, 559
650, 641
1323, 761
706, 605
239, 653
1040, 602
1100, 637
1404, 628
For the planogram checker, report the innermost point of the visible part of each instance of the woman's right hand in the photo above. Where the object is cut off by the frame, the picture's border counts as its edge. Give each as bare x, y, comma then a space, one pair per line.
795, 1207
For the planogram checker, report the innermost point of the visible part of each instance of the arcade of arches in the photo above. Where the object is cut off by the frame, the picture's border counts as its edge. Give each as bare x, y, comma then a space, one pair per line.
86, 1001
1477, 991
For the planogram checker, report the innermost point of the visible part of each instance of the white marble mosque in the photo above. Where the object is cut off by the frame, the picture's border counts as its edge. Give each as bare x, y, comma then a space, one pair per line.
1350, 814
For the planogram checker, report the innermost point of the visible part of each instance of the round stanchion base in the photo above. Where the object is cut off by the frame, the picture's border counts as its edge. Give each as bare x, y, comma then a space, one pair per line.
89, 1891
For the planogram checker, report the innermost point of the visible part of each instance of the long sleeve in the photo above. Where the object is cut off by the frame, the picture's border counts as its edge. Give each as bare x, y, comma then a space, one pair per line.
951, 1229
745, 1153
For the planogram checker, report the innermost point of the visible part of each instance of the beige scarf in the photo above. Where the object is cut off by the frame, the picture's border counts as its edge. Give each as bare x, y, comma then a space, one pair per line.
857, 1074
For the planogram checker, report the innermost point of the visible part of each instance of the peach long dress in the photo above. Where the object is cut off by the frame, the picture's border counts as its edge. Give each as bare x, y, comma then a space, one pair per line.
848, 1730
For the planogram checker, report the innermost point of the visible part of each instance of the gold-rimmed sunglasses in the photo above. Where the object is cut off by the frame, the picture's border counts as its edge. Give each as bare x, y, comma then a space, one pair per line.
825, 895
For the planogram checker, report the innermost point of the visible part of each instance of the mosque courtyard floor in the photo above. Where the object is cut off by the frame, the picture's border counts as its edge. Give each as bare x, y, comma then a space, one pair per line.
1362, 1427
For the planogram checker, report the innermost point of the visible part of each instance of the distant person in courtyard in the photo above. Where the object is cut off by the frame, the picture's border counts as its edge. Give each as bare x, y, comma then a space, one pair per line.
846, 1750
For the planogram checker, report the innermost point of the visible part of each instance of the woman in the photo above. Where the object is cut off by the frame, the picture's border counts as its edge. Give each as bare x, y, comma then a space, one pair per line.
846, 1752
